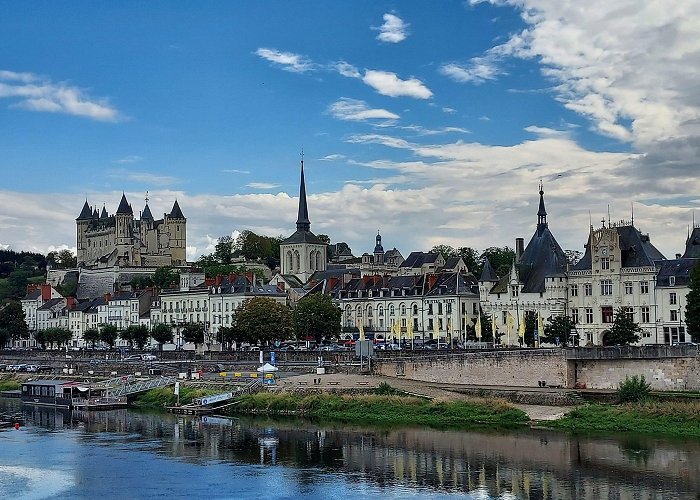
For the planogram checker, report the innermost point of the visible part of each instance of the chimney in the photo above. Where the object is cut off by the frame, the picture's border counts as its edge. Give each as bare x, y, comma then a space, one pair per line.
332, 282
45, 292
432, 279
70, 302
519, 248
108, 297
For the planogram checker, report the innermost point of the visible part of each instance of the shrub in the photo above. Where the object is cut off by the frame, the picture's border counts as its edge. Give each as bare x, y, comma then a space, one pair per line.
633, 389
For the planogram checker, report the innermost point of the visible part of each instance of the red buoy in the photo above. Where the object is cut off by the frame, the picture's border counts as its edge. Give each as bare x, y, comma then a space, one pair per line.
16, 425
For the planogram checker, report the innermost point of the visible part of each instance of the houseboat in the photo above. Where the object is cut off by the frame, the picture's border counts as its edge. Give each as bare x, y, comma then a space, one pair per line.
69, 394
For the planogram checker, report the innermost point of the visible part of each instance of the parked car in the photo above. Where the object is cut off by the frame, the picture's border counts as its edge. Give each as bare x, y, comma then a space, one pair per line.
149, 357
133, 357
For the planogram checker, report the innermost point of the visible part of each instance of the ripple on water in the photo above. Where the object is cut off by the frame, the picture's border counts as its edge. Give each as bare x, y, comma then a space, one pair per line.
32, 483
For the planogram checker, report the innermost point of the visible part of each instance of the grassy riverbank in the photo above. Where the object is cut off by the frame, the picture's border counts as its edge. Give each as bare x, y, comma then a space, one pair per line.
157, 398
384, 409
9, 384
667, 418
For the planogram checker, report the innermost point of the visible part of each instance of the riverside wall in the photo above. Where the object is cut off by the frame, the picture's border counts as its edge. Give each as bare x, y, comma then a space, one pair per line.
666, 368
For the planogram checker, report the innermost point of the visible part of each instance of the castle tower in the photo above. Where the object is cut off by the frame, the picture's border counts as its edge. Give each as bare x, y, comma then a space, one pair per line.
176, 224
82, 223
302, 253
124, 236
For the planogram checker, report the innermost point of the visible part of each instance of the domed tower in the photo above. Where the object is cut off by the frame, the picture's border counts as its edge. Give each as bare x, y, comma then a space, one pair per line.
177, 235
378, 250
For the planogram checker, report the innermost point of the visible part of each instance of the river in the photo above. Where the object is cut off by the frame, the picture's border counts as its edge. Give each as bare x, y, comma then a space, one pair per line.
133, 454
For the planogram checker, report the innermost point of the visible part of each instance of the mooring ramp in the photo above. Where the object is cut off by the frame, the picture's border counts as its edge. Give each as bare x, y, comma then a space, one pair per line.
133, 386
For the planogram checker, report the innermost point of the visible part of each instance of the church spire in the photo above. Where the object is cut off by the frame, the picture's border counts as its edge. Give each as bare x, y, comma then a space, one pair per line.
541, 214
303, 222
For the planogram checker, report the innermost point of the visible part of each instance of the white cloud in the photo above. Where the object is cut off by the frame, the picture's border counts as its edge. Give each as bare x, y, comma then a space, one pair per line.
235, 171
287, 60
333, 157
347, 69
448, 110
545, 131
129, 159
356, 110
33, 93
262, 185
387, 83
144, 177
394, 29
478, 71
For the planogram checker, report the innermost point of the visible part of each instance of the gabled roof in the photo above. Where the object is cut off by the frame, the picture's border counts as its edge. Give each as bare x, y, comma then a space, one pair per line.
678, 268
176, 213
33, 295
85, 213
50, 304
418, 259
692, 245
124, 207
636, 250
453, 283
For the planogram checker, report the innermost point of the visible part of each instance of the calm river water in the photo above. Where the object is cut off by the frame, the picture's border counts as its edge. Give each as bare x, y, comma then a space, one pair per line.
129, 454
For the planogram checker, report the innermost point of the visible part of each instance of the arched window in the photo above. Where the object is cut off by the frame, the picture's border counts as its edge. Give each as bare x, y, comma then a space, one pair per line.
358, 310
392, 310
312, 260
297, 261
369, 311
403, 308
348, 311
380, 311
319, 260
415, 309
290, 264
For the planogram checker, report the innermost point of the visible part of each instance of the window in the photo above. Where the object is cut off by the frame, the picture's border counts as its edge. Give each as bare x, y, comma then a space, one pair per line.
439, 307
574, 290
392, 310
606, 287
430, 309
514, 290
475, 306
589, 315
574, 316
644, 287
628, 288
605, 263
645, 314
403, 308
448, 307
672, 299
415, 309
607, 314
504, 315
380, 311
430, 324
629, 312
672, 281
587, 289
674, 315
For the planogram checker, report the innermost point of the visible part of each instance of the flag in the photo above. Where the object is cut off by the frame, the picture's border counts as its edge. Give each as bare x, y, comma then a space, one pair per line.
409, 330
449, 331
478, 326
493, 328
177, 389
521, 328
436, 330
362, 331
509, 327
540, 329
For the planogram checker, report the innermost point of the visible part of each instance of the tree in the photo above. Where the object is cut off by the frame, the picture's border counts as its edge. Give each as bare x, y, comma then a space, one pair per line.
126, 336
92, 336
57, 335
558, 329
231, 334
165, 277
486, 330
108, 334
471, 258
624, 331
136, 334
223, 251
262, 319
193, 333
12, 320
317, 317
530, 328
162, 333
501, 259
66, 260
4, 337
41, 338
141, 282
445, 250
692, 307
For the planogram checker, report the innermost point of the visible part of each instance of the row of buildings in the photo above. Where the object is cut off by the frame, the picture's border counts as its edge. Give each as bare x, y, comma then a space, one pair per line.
421, 296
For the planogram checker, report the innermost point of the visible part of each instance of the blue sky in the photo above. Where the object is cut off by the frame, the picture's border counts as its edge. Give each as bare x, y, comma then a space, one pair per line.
432, 122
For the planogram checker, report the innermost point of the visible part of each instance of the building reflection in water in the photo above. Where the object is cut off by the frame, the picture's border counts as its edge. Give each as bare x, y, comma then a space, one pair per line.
524, 464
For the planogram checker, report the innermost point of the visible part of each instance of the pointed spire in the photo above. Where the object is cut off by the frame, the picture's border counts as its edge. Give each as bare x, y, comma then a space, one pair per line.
303, 222
85, 213
95, 214
541, 214
487, 273
378, 248
176, 213
124, 207
146, 215
103, 215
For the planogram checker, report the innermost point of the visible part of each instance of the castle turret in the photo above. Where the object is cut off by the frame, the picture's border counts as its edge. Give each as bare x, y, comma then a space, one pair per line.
177, 231
82, 223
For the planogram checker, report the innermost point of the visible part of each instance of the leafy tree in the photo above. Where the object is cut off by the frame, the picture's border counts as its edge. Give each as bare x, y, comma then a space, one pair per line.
624, 331
558, 328
66, 259
231, 334
471, 258
141, 282
530, 328
162, 334
165, 277
92, 336
109, 334
692, 306
12, 320
224, 250
4, 337
486, 329
262, 319
17, 281
445, 250
193, 333
501, 259
126, 336
41, 338
136, 334
317, 317
57, 335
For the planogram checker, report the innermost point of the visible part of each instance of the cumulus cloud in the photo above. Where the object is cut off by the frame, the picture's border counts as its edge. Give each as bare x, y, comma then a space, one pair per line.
287, 60
477, 71
34, 93
346, 69
389, 84
394, 29
356, 110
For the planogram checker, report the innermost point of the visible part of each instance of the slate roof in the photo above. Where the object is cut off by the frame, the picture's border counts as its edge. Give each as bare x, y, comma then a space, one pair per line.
451, 263
487, 273
146, 215
85, 213
692, 245
454, 283
103, 214
301, 236
124, 207
176, 213
33, 295
50, 304
417, 259
679, 268
542, 257
635, 248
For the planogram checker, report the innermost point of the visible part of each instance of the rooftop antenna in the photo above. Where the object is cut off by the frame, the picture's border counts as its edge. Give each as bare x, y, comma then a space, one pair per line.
146, 197
590, 220
608, 214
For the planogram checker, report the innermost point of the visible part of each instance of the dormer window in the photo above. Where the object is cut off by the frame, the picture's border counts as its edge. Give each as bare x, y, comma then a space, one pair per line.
672, 281
514, 289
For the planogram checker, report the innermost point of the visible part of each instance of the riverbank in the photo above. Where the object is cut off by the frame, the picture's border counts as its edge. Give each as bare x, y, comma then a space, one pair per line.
385, 409
660, 418
164, 396
9, 384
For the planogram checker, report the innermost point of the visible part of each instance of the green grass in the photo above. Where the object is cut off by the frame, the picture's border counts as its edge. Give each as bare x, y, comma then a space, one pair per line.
157, 398
669, 418
9, 384
385, 410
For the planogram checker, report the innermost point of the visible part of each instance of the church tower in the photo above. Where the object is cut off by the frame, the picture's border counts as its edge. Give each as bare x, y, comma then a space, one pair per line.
302, 254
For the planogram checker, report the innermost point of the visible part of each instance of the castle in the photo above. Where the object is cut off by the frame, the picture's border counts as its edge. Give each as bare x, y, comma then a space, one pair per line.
121, 240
